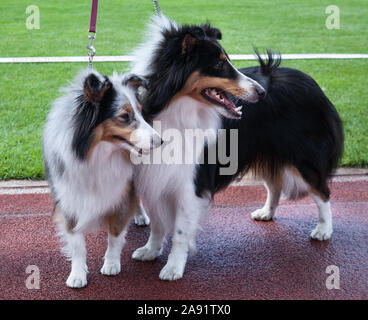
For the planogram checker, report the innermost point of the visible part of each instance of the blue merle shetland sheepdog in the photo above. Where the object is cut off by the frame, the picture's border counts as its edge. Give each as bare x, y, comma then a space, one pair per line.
289, 133
89, 135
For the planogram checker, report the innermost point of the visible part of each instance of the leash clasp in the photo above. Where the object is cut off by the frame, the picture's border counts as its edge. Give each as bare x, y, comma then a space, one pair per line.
91, 49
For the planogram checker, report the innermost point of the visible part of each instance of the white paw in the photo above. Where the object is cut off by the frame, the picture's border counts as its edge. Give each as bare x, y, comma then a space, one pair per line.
171, 272
77, 280
141, 219
145, 254
321, 232
111, 268
262, 214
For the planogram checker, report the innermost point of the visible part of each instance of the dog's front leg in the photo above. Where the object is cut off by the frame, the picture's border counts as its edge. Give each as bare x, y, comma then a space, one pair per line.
76, 247
141, 218
118, 221
112, 265
153, 248
188, 214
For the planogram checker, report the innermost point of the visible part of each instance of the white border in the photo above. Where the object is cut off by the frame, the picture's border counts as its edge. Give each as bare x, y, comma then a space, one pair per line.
291, 56
44, 189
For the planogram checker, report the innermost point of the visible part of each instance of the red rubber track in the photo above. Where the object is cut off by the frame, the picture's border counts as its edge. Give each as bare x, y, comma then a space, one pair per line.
237, 258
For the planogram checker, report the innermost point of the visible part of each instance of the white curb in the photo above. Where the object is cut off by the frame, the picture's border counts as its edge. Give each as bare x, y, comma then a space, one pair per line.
290, 56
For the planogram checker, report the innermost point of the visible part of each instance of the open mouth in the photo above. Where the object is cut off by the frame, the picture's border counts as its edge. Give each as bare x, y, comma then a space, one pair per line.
222, 98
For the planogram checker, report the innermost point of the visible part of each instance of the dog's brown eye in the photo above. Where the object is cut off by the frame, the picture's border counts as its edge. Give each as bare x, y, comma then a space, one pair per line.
125, 117
219, 65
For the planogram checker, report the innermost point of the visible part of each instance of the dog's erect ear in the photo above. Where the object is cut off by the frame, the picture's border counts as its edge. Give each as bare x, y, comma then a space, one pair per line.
215, 33
95, 88
135, 82
211, 32
188, 44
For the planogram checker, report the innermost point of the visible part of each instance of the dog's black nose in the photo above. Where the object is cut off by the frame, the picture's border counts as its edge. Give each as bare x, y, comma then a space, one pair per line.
156, 141
261, 92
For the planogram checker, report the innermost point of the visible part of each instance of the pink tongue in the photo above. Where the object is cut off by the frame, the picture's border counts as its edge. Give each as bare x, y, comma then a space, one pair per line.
221, 96
226, 100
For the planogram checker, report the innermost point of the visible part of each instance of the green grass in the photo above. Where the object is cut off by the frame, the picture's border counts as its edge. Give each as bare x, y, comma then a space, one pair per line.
27, 90
288, 25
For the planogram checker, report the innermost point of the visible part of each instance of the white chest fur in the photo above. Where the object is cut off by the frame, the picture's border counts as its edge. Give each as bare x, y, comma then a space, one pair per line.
87, 190
156, 180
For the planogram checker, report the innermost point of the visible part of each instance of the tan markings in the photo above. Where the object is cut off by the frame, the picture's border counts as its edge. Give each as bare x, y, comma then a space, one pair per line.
114, 128
295, 172
111, 130
62, 220
317, 193
135, 83
223, 56
97, 136
95, 96
228, 85
262, 171
197, 82
127, 108
278, 180
118, 219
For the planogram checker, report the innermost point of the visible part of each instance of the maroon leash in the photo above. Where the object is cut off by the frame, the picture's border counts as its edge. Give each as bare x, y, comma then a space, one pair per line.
92, 33
92, 24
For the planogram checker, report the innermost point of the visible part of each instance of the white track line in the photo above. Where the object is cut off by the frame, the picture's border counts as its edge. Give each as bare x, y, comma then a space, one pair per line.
292, 56
66, 59
334, 179
303, 56
246, 182
23, 215
12, 191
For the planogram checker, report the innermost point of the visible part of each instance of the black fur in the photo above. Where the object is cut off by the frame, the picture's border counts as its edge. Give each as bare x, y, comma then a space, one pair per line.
173, 65
96, 103
90, 114
295, 124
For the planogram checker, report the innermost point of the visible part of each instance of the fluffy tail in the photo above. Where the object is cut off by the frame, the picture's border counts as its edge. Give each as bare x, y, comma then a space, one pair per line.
157, 7
269, 65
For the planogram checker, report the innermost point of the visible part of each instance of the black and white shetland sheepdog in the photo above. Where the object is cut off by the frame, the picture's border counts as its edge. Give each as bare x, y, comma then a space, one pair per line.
291, 137
88, 136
